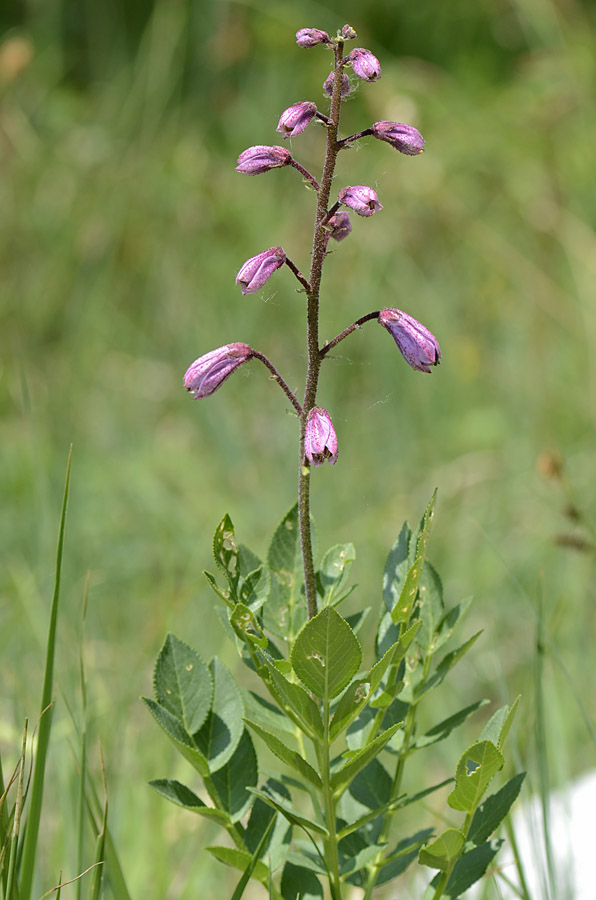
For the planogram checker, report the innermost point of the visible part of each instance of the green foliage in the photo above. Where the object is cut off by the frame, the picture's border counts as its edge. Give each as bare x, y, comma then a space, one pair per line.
316, 696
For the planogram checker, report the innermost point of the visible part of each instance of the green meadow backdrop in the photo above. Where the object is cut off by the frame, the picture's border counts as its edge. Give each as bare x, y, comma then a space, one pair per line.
123, 224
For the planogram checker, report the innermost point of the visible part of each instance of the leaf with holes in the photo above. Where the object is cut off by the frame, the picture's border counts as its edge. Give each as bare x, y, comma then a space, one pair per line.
326, 654
333, 574
226, 554
475, 769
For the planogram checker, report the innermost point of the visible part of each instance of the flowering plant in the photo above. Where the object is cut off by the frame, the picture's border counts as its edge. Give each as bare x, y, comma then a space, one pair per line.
343, 729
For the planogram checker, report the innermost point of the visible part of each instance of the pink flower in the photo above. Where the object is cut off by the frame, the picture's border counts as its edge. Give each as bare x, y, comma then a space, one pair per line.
259, 269
345, 85
256, 160
295, 119
209, 372
404, 138
310, 37
418, 346
320, 441
363, 200
340, 226
365, 65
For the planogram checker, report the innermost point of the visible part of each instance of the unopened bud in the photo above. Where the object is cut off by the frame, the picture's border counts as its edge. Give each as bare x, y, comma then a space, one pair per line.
339, 226
345, 85
365, 65
259, 269
348, 33
209, 372
363, 200
320, 440
295, 119
404, 138
418, 346
256, 160
310, 37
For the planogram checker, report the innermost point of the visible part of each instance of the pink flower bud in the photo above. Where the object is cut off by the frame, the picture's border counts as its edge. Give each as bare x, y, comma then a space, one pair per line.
320, 441
295, 119
404, 138
259, 159
363, 200
345, 85
418, 346
310, 37
365, 65
259, 269
209, 372
348, 33
340, 226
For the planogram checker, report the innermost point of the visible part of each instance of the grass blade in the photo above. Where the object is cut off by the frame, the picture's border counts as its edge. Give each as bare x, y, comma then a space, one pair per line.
45, 725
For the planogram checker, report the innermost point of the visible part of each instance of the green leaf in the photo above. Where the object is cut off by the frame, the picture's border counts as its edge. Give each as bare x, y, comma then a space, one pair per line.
226, 554
475, 769
402, 610
469, 869
432, 607
491, 813
443, 851
183, 796
404, 853
182, 683
450, 622
257, 852
223, 594
398, 562
299, 883
356, 620
283, 806
255, 588
372, 785
266, 714
232, 781
497, 727
443, 729
179, 737
361, 859
284, 613
297, 703
286, 754
341, 778
333, 574
240, 859
447, 663
218, 738
245, 625
326, 654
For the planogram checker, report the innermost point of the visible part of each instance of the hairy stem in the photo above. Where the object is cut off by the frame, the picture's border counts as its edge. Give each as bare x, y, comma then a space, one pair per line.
305, 173
277, 377
357, 324
312, 317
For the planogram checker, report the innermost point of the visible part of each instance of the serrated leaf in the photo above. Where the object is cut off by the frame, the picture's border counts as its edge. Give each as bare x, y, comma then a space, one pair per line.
179, 737
356, 620
182, 683
470, 868
183, 796
341, 778
232, 781
283, 806
475, 769
333, 573
255, 588
326, 654
497, 727
285, 611
441, 853
300, 883
491, 813
296, 702
218, 738
245, 625
286, 754
226, 554
399, 560
447, 663
402, 610
222, 593
240, 859
443, 729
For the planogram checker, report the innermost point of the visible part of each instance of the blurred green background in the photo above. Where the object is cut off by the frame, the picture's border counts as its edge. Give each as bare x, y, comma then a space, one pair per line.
123, 226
